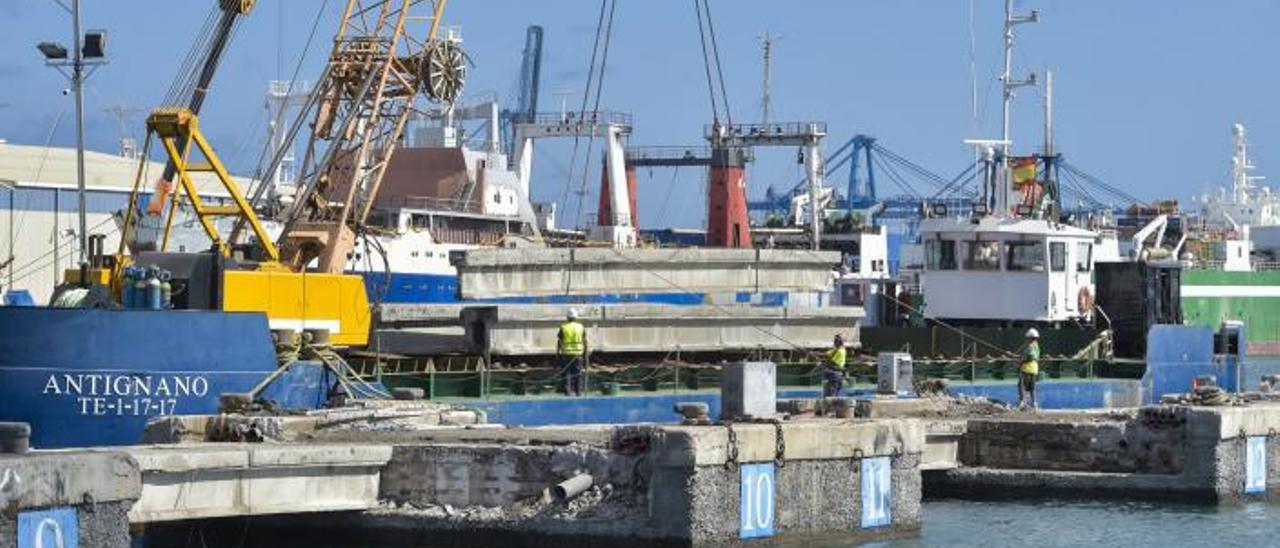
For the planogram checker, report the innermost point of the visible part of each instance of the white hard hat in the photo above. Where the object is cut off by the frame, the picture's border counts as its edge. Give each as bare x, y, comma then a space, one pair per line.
573, 313
1033, 334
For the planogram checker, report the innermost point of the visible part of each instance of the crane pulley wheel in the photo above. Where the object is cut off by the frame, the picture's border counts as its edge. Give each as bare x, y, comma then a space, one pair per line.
239, 6
444, 70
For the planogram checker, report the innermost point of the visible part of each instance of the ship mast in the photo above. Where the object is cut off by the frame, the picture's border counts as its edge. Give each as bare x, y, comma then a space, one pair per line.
1003, 177
1241, 181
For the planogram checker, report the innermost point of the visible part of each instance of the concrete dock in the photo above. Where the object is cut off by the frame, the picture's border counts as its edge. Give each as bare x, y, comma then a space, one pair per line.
796, 476
67, 499
644, 486
1204, 454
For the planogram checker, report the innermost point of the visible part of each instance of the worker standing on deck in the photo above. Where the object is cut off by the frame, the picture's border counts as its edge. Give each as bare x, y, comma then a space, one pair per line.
1030, 370
833, 368
571, 348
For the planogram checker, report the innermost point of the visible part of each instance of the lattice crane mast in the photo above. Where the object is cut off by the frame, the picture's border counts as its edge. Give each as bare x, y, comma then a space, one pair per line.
376, 70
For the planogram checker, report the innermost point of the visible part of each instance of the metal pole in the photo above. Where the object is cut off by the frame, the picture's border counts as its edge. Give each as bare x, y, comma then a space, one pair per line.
77, 77
12, 191
1002, 182
1048, 114
768, 76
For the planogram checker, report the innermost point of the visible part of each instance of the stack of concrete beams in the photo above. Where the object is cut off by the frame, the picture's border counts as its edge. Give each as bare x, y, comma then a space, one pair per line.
500, 273
717, 276
531, 329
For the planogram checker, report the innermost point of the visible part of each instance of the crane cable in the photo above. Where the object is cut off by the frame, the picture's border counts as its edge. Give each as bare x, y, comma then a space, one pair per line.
586, 98
711, 57
265, 168
715, 48
259, 173
591, 137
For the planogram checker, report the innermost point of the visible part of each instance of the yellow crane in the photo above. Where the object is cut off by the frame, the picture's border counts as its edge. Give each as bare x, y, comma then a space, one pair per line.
359, 108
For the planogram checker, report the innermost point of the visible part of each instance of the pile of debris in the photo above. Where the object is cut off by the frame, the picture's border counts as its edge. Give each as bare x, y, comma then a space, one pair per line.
256, 424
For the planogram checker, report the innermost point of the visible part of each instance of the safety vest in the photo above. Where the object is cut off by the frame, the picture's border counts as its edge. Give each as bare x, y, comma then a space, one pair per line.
836, 357
1030, 357
573, 338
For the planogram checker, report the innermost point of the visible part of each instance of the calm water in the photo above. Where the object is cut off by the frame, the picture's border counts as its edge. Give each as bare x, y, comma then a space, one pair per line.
1049, 524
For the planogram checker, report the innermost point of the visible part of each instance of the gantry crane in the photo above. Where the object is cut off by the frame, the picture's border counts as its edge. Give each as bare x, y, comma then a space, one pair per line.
376, 69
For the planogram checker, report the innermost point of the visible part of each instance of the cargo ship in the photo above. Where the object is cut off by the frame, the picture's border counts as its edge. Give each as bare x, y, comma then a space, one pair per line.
1229, 269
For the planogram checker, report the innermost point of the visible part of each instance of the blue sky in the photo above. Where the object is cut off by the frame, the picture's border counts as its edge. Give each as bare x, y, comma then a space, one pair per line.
1146, 90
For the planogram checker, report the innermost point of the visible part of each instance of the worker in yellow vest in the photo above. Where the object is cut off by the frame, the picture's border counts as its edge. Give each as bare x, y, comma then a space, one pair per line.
1029, 372
833, 368
571, 348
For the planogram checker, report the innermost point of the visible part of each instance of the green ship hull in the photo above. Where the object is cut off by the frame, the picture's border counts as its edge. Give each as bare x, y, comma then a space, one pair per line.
1210, 297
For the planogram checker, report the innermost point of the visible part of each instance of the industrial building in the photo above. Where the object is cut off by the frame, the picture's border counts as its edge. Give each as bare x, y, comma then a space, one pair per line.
38, 199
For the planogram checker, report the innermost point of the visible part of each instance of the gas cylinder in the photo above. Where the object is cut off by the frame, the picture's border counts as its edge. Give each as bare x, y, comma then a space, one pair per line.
166, 289
154, 299
139, 289
126, 287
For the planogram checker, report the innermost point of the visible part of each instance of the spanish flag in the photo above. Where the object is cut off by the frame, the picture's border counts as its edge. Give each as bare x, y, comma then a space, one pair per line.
1024, 170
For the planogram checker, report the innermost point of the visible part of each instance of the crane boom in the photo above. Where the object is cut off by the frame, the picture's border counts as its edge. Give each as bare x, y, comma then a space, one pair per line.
374, 74
176, 126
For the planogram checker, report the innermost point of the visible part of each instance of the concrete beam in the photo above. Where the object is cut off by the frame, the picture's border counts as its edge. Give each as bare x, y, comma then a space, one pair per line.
531, 329
496, 273
199, 481
420, 315
420, 341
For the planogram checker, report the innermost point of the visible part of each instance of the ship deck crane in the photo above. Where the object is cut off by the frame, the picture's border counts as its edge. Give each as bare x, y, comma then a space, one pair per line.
614, 127
376, 69
807, 136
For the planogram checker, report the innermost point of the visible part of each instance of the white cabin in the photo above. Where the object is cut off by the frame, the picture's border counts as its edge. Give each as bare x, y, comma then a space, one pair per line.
864, 279
992, 269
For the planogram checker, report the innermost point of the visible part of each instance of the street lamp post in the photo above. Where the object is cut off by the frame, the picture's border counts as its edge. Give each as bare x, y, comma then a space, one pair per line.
12, 187
88, 51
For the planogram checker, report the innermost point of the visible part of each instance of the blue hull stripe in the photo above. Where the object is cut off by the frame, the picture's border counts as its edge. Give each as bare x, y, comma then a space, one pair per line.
440, 288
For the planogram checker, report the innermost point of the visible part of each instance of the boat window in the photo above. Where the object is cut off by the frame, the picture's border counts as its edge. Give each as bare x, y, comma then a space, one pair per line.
1025, 256
1058, 256
982, 255
940, 254
1084, 257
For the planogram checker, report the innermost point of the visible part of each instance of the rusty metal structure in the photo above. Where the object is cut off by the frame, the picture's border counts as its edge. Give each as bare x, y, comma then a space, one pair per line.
385, 54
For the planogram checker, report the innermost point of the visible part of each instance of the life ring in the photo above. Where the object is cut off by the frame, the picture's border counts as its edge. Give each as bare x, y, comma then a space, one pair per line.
1084, 301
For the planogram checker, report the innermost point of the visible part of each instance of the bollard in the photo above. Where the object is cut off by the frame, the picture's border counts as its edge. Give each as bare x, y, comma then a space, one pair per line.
802, 406
15, 437
693, 412
316, 337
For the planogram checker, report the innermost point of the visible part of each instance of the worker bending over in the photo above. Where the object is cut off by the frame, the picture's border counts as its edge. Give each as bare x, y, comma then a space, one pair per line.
1030, 370
571, 348
833, 369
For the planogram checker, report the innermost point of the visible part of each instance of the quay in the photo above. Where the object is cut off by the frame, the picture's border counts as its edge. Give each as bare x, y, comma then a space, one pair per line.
851, 469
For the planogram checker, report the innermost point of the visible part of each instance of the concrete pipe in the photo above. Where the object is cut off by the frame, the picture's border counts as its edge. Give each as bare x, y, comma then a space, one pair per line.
15, 437
572, 487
